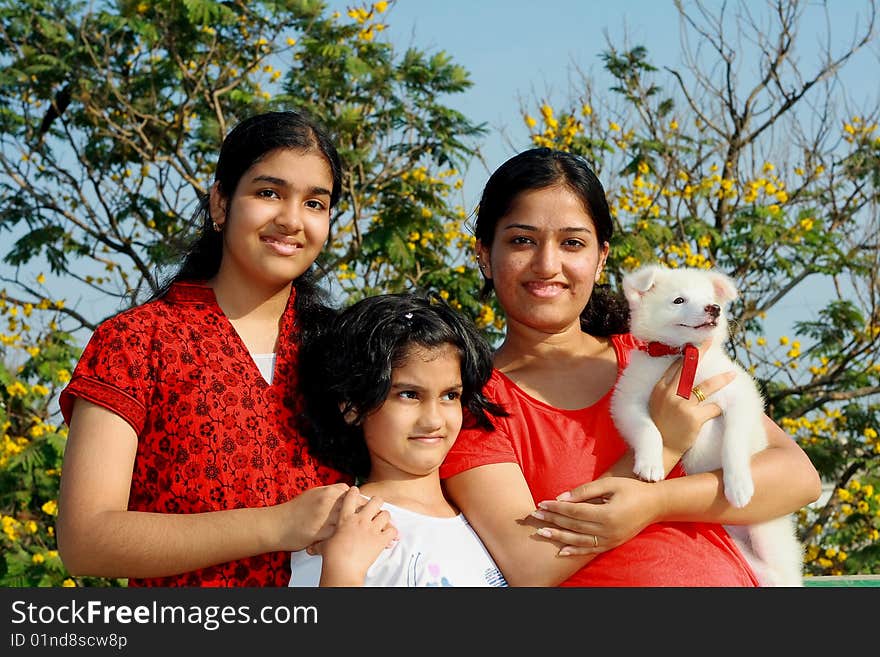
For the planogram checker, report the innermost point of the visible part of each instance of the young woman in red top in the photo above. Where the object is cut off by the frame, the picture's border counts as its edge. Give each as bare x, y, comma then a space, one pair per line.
184, 465
543, 230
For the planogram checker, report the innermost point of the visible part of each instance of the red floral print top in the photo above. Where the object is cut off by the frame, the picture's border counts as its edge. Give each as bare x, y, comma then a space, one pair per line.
212, 434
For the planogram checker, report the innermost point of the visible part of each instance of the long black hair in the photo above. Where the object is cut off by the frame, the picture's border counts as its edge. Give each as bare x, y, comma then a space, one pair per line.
538, 168
247, 143
346, 370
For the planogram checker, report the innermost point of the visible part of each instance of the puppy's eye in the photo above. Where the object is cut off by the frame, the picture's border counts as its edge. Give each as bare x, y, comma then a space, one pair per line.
678, 300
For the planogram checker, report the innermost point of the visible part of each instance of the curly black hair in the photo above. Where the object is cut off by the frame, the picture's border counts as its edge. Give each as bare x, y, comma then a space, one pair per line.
345, 370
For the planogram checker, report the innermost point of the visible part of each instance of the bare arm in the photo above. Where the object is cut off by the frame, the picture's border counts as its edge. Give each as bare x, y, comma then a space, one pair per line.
784, 478
506, 527
98, 536
785, 481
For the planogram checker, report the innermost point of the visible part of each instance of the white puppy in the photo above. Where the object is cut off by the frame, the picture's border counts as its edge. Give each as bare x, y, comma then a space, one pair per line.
669, 309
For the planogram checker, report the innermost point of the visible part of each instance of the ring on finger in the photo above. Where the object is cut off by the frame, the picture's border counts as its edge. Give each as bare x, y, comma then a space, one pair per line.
698, 393
595, 541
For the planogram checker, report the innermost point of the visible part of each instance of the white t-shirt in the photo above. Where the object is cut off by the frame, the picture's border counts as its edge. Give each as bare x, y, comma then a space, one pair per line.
266, 364
430, 552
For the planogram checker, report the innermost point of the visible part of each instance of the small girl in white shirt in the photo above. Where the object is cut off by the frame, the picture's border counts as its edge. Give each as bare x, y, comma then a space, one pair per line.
384, 387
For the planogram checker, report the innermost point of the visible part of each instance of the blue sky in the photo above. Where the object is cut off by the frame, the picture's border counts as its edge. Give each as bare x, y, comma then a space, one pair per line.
518, 50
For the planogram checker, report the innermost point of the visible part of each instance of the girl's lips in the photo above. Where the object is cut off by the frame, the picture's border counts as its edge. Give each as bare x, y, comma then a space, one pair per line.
545, 290
282, 246
427, 439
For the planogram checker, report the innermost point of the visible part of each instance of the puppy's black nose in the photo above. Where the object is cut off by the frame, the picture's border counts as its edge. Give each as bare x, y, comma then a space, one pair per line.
713, 309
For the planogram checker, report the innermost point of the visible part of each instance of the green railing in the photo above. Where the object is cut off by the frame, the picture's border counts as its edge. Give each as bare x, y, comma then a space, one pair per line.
846, 580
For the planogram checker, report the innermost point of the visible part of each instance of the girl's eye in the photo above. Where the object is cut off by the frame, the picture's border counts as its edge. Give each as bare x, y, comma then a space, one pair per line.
408, 394
520, 239
268, 193
315, 204
678, 300
573, 244
452, 396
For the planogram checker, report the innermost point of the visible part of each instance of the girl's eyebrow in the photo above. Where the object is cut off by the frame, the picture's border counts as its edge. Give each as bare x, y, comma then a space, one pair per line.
534, 229
280, 182
403, 385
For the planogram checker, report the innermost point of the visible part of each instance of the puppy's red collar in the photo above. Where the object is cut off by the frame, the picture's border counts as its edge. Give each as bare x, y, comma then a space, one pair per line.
690, 358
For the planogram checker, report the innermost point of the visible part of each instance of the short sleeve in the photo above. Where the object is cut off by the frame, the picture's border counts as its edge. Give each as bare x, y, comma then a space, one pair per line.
476, 446
113, 371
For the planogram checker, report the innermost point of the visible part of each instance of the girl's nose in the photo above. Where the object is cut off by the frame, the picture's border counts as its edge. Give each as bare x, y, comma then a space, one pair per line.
289, 218
546, 260
430, 418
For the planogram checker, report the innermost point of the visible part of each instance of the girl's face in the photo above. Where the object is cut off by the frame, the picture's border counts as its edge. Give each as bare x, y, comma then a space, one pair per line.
409, 435
544, 259
278, 218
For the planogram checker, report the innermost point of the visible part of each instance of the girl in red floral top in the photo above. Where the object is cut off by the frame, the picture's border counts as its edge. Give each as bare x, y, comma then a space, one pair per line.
184, 464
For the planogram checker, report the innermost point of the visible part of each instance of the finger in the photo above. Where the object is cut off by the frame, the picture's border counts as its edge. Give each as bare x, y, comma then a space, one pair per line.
392, 535
566, 520
714, 383
382, 520
594, 491
372, 507
708, 410
704, 346
572, 551
670, 376
350, 502
586, 542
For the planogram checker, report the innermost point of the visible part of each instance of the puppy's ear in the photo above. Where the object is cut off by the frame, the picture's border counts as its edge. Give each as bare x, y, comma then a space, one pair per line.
725, 288
637, 283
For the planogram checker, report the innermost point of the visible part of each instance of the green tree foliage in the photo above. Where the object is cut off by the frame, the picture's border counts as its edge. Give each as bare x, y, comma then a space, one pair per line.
749, 160
111, 116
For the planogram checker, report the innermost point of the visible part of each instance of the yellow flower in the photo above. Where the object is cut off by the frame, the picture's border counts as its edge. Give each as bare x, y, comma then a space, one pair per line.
381, 6
783, 340
586, 110
69, 583
50, 508
41, 279
530, 122
673, 125
37, 558
761, 341
486, 316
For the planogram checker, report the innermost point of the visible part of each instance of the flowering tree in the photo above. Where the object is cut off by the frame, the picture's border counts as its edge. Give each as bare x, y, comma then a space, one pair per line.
111, 117
765, 174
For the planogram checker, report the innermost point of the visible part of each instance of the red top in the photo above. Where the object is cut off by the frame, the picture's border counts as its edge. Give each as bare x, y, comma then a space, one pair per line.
212, 434
559, 449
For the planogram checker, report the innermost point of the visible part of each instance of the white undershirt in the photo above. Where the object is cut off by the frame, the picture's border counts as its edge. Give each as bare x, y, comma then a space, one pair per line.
266, 364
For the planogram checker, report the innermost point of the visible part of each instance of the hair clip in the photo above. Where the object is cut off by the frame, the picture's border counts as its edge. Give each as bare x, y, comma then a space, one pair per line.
408, 315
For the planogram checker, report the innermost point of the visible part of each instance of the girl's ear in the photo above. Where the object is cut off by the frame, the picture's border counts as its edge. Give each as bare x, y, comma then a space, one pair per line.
483, 261
603, 257
217, 203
